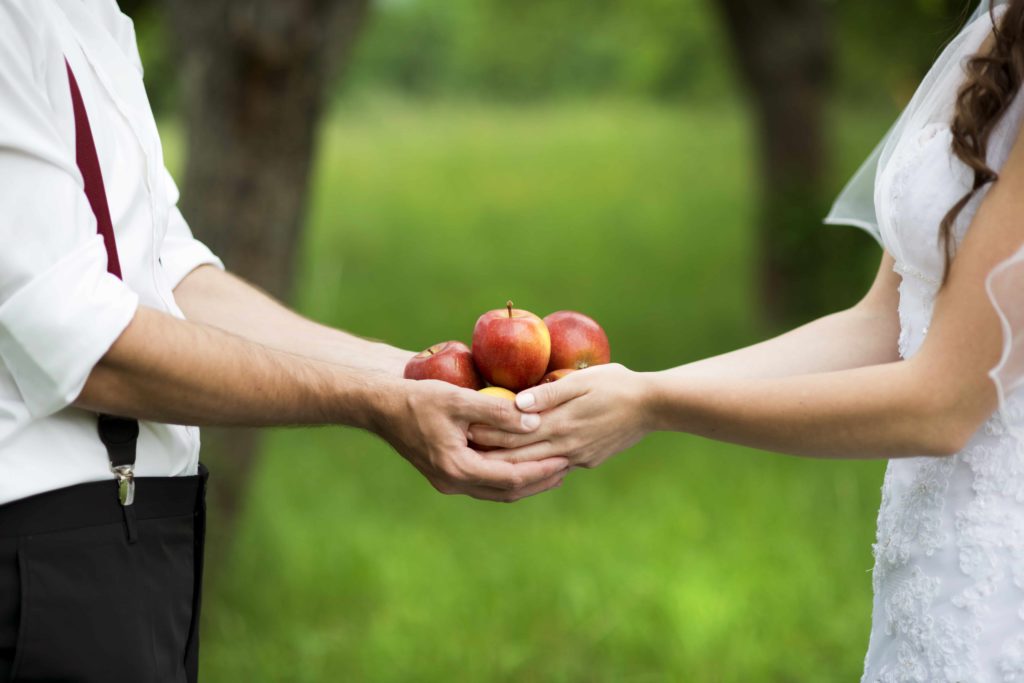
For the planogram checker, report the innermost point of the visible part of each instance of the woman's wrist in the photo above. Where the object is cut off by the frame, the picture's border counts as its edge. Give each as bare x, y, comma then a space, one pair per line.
650, 408
662, 400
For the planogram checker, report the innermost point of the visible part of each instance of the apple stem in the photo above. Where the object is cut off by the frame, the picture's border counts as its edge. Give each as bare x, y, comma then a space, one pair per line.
508, 305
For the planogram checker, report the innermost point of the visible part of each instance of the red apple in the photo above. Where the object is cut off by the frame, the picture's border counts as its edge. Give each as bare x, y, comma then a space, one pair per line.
556, 375
577, 341
449, 361
511, 347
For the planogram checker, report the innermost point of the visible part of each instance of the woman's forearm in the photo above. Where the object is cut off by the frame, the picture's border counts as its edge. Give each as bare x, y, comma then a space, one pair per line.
853, 338
930, 404
879, 411
865, 334
213, 297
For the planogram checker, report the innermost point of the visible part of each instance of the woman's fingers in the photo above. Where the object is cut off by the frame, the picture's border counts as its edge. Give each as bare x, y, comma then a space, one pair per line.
482, 435
525, 454
550, 395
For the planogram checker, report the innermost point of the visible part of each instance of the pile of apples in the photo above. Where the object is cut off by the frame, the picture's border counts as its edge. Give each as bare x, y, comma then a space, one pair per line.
514, 350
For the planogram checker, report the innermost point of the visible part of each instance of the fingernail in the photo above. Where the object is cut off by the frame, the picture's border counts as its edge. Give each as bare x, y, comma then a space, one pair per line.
525, 400
530, 421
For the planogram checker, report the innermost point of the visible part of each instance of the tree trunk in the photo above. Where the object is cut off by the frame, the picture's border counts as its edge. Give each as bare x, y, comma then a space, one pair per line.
255, 77
783, 50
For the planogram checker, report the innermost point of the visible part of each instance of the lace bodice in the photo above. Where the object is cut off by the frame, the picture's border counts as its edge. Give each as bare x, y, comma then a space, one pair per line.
949, 557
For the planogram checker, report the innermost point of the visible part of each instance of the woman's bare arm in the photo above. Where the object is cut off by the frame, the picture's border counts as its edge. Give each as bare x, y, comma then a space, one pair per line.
865, 334
928, 405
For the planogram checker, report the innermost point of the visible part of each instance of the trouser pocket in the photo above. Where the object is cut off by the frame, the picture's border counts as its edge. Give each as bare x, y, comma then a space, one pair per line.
96, 609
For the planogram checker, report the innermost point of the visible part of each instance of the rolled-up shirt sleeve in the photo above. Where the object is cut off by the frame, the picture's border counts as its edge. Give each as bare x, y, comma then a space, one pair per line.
60, 311
181, 253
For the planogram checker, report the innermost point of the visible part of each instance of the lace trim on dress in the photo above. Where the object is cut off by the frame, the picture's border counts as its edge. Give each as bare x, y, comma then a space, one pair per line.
917, 299
905, 270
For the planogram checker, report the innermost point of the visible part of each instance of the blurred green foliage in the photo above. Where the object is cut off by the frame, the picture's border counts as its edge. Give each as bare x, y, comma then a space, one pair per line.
649, 48
681, 560
534, 49
541, 48
884, 47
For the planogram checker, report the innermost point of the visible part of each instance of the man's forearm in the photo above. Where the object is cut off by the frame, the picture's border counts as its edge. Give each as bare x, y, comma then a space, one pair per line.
181, 372
210, 296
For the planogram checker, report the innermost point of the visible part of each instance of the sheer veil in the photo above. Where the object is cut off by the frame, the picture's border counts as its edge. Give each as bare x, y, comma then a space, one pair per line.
932, 103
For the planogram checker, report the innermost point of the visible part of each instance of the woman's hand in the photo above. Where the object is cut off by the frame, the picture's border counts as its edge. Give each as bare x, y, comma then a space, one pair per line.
587, 417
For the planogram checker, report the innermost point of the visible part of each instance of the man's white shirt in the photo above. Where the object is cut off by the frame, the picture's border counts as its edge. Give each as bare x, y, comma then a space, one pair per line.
60, 310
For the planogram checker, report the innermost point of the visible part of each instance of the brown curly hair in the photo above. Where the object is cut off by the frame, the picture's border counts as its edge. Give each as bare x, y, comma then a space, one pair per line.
993, 79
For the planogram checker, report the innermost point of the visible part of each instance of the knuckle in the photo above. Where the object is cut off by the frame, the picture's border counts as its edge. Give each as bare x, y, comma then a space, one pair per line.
449, 470
515, 482
501, 413
573, 453
455, 402
442, 487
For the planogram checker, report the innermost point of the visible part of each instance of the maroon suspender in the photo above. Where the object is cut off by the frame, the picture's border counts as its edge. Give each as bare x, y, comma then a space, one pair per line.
118, 434
89, 165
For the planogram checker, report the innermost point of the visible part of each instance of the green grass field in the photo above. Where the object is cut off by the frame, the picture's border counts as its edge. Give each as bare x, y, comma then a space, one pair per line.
680, 560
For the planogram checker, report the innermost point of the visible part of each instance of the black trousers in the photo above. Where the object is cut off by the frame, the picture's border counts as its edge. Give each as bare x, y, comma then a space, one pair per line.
91, 592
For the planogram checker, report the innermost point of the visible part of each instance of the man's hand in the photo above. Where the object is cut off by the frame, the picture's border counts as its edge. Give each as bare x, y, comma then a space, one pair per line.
427, 423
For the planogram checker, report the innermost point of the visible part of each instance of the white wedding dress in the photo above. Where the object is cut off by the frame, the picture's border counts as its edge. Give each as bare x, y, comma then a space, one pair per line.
949, 559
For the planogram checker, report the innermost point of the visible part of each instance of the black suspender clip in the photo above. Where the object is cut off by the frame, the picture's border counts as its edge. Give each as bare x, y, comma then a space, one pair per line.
120, 436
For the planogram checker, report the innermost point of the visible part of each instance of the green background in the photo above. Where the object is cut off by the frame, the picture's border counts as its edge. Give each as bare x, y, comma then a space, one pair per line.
565, 154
